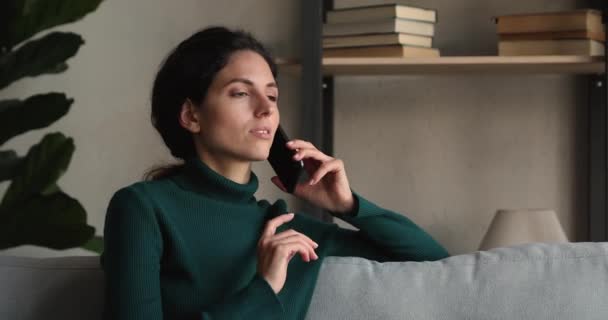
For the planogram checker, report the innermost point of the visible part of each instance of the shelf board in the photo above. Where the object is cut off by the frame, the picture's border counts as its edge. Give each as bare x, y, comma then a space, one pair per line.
457, 65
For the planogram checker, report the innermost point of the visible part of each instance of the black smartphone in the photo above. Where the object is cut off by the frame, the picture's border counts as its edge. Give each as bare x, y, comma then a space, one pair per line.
281, 159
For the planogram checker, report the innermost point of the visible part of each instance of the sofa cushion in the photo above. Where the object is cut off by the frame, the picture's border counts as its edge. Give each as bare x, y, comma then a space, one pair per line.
51, 288
533, 281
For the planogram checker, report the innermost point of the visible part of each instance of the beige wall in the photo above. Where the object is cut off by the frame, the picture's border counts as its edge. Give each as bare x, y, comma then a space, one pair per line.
446, 151
457, 149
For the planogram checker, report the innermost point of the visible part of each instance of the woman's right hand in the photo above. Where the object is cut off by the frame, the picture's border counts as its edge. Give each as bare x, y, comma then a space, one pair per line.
276, 250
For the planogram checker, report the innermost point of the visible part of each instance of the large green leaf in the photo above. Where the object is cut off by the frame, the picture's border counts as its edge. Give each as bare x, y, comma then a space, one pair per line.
38, 111
10, 164
8, 13
6, 104
55, 221
24, 18
95, 244
44, 163
45, 55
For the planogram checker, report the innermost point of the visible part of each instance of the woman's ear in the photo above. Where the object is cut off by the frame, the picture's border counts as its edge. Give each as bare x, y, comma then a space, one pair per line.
189, 118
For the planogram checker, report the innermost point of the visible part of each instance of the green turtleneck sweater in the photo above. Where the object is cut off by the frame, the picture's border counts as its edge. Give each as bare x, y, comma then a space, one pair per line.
184, 247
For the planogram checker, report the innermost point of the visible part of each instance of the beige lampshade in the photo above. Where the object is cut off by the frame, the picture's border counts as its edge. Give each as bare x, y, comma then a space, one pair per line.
511, 227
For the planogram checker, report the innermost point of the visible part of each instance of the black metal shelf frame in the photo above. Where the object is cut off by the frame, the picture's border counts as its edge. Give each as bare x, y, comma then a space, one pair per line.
598, 146
318, 101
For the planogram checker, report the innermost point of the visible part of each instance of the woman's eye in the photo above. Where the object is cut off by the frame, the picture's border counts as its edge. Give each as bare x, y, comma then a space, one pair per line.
272, 98
240, 94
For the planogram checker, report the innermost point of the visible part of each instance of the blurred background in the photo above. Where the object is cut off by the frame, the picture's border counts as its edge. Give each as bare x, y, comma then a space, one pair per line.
447, 151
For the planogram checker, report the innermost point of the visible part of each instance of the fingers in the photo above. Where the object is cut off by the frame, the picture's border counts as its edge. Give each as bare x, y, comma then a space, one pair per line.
311, 153
273, 224
292, 234
272, 242
298, 144
305, 148
287, 248
274, 251
326, 167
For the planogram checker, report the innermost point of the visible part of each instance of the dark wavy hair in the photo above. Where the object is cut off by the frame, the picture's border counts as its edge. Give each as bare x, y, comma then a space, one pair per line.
187, 73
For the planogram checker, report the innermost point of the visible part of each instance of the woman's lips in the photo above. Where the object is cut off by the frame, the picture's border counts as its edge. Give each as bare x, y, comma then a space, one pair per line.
262, 134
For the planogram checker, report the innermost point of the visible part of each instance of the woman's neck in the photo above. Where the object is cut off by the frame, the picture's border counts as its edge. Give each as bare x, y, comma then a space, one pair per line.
237, 171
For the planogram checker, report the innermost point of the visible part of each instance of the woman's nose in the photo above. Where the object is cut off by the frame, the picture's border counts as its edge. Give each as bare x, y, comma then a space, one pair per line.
265, 107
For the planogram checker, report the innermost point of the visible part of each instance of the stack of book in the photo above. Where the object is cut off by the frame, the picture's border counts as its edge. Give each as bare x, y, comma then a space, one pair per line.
379, 28
578, 32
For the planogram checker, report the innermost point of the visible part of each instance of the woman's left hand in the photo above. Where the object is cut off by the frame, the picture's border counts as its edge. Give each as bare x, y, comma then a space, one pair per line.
328, 186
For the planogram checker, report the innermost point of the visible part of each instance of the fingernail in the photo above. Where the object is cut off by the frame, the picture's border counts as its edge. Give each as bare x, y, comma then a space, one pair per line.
316, 245
312, 181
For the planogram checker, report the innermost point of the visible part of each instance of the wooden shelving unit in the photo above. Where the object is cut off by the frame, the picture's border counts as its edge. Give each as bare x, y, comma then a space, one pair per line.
475, 64
455, 65
317, 76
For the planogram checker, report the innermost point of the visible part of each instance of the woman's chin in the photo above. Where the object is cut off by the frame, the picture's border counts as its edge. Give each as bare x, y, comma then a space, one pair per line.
259, 156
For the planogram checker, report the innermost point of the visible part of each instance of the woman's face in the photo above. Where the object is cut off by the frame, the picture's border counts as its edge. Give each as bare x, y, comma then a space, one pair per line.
240, 115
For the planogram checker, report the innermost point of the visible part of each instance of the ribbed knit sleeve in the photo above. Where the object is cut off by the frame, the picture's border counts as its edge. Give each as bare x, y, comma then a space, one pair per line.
131, 262
383, 235
131, 259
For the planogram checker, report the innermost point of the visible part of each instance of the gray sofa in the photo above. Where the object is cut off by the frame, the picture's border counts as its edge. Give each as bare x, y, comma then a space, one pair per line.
534, 281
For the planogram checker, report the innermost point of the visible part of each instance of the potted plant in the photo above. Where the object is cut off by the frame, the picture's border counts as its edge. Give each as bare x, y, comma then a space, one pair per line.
34, 210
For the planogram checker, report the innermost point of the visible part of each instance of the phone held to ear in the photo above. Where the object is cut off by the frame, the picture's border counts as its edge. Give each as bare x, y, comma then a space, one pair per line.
281, 159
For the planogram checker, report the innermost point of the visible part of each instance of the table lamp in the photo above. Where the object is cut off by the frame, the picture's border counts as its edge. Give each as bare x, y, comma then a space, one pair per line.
512, 227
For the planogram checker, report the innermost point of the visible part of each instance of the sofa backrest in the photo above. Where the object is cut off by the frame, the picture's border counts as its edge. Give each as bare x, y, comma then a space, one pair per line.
51, 288
533, 281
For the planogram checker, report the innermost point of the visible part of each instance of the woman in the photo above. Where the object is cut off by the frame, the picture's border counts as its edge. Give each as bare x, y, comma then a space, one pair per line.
194, 243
